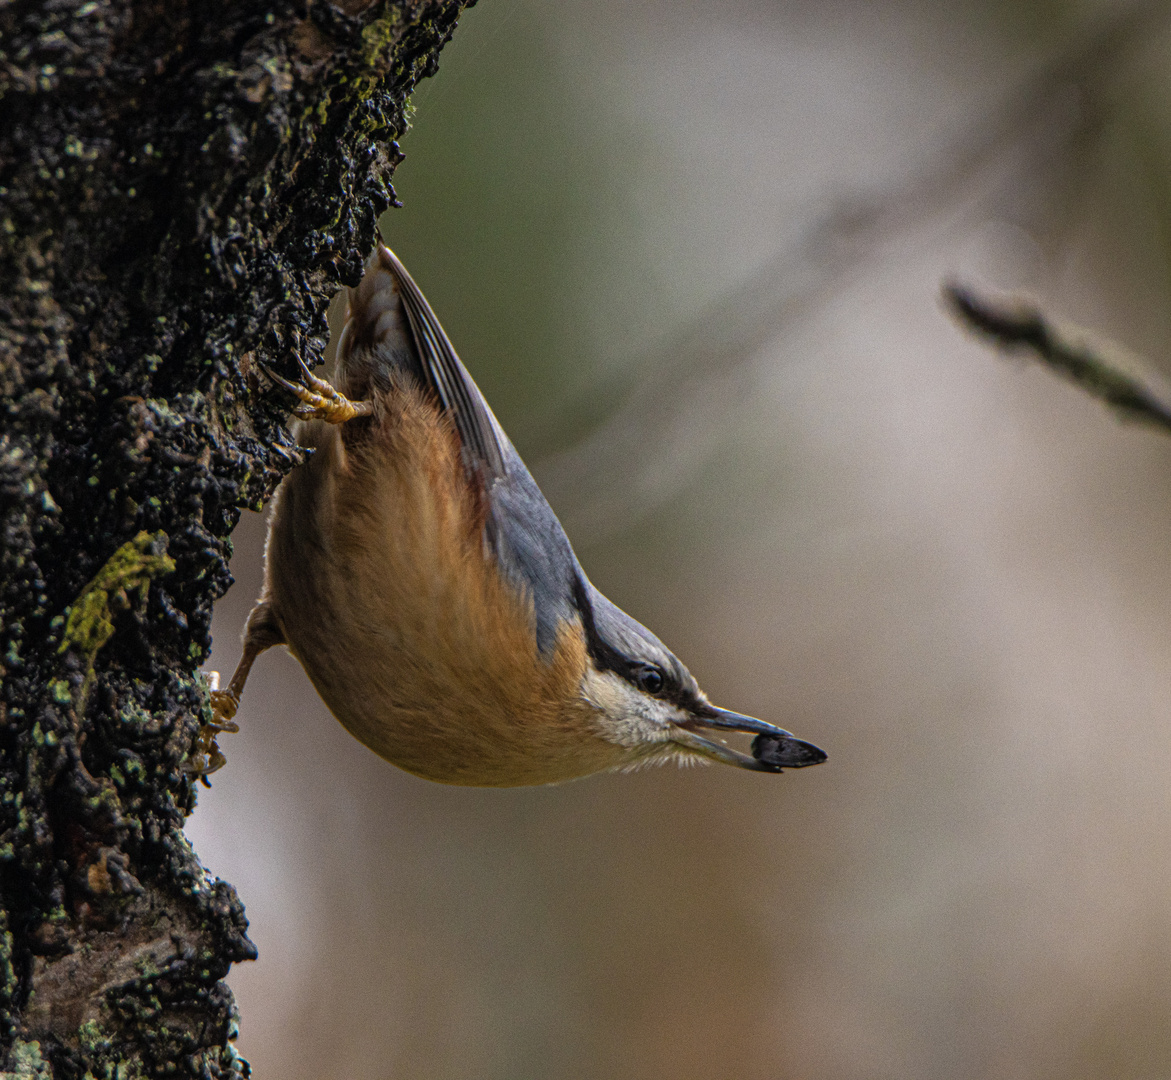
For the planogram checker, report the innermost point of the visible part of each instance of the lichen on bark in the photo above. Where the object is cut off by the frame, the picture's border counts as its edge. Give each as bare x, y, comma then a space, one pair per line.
183, 187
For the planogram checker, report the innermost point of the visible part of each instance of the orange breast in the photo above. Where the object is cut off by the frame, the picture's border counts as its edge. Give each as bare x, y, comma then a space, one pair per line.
403, 621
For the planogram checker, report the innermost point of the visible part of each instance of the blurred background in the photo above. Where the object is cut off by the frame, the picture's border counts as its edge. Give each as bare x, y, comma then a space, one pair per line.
692, 251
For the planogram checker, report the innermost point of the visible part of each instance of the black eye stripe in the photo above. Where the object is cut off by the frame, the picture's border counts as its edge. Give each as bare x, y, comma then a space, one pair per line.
607, 658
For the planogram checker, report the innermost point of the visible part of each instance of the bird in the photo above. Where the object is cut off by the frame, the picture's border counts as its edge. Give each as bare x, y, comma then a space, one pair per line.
416, 571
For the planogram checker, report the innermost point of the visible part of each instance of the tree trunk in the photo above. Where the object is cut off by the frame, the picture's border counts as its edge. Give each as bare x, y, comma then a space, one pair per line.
183, 187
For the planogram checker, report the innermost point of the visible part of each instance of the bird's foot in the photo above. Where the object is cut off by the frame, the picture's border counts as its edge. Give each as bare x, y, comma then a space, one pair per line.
205, 755
319, 400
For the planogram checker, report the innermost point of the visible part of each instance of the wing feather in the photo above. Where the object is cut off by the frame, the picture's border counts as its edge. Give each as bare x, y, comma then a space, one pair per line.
478, 430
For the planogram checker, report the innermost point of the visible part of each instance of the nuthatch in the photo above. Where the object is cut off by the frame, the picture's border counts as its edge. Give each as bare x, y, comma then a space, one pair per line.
416, 571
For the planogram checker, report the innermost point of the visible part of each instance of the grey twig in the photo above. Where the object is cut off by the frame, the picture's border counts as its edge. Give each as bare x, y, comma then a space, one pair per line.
610, 478
1017, 326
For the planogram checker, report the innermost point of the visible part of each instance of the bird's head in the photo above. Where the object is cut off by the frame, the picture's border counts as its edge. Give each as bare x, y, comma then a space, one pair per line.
647, 701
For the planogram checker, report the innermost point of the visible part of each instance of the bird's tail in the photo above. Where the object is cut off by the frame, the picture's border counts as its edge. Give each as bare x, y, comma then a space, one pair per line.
376, 347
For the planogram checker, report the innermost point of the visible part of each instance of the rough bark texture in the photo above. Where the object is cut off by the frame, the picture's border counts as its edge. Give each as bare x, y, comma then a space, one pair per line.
183, 186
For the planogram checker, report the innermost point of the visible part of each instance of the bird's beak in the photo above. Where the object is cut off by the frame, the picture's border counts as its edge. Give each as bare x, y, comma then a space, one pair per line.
773, 749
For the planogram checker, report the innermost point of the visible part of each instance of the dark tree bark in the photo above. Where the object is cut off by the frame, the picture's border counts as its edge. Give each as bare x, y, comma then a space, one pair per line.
183, 187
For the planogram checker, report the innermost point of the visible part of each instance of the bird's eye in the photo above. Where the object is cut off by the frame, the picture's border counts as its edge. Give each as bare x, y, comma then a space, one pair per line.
650, 680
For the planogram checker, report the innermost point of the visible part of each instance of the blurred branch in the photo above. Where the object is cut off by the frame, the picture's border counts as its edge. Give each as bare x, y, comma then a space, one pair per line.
1017, 326
675, 416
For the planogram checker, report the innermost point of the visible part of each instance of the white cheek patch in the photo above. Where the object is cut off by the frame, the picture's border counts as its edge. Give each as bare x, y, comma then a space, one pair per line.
626, 716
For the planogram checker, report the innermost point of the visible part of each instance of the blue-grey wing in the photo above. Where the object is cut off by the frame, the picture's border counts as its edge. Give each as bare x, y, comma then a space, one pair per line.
521, 530
479, 432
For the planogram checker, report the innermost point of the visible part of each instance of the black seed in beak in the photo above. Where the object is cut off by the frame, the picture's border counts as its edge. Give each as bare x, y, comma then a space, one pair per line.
785, 752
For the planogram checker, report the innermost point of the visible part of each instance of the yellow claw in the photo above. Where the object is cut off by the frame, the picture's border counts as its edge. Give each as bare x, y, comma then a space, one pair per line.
205, 756
223, 706
320, 401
